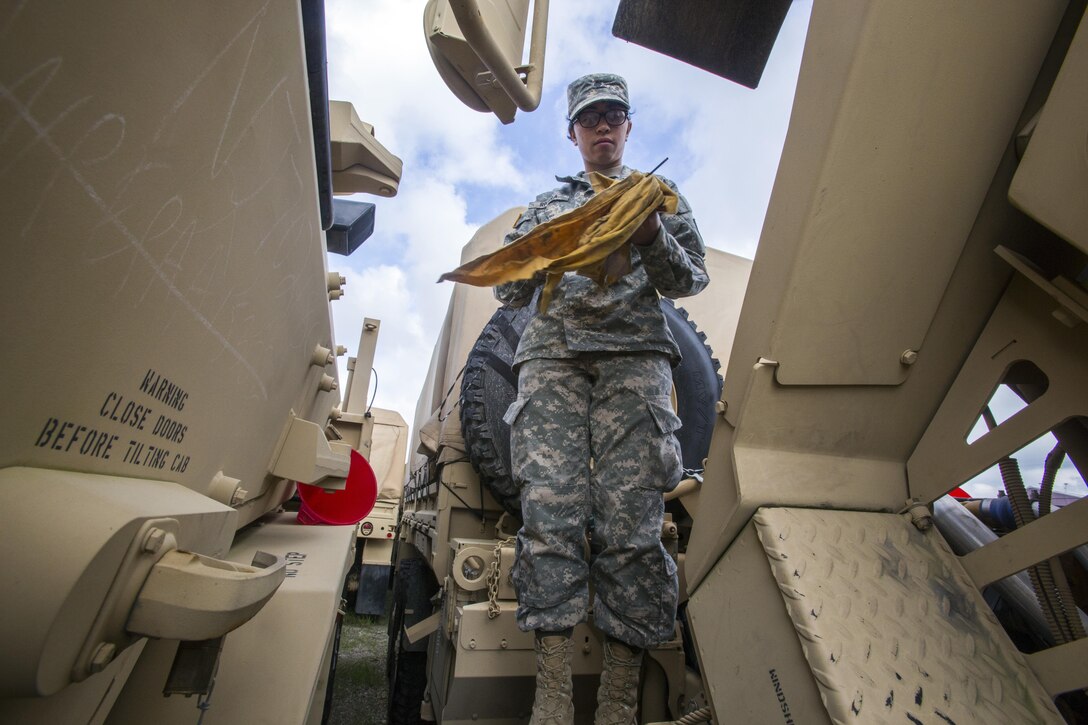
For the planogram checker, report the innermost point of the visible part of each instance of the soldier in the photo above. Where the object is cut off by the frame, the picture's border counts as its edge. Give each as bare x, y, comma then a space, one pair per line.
592, 440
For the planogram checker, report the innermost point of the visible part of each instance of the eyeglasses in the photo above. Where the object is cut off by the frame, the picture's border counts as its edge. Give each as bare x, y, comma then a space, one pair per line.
590, 119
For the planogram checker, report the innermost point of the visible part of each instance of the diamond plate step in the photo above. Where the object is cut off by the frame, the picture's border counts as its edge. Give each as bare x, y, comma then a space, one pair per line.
891, 626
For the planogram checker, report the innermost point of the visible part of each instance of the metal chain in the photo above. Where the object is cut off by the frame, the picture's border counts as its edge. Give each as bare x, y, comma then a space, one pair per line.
493, 572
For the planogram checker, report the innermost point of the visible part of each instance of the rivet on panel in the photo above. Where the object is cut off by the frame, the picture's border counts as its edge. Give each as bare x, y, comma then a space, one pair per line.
102, 656
472, 644
322, 356
224, 489
154, 540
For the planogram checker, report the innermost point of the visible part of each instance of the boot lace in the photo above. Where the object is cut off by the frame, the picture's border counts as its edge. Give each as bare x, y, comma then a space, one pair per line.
553, 695
619, 687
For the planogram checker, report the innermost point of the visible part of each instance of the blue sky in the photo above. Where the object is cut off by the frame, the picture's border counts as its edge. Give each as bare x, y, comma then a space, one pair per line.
462, 168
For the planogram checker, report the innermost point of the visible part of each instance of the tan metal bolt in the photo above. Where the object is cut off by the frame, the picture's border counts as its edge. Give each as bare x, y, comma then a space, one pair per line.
909, 357
322, 356
335, 413
336, 280
327, 383
472, 644
153, 542
102, 656
504, 644
239, 496
341, 351
335, 294
720, 407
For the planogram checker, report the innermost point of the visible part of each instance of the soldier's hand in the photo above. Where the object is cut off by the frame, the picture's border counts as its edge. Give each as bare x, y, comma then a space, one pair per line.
647, 231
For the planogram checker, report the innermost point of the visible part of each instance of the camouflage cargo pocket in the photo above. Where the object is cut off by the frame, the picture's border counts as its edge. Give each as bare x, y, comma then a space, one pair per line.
663, 465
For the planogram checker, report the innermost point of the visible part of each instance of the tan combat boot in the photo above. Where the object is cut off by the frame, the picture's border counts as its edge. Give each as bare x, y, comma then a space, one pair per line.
617, 697
552, 704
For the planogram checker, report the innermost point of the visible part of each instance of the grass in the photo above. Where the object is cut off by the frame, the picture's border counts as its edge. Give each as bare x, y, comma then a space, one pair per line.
359, 690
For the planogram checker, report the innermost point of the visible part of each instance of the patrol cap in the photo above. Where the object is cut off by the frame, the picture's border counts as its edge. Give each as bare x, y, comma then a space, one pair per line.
595, 87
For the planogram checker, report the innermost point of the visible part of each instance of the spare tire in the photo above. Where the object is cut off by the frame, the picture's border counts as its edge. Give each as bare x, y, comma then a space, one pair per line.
489, 386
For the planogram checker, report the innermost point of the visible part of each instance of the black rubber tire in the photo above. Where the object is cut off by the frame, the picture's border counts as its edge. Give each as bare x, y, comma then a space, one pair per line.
406, 665
697, 383
489, 386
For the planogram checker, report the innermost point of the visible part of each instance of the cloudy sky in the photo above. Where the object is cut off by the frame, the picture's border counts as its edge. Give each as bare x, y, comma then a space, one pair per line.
462, 168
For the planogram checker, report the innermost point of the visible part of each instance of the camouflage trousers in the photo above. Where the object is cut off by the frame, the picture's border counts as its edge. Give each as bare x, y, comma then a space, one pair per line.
593, 449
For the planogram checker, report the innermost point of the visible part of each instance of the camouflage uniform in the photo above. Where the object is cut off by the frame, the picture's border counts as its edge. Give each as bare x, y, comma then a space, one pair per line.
592, 433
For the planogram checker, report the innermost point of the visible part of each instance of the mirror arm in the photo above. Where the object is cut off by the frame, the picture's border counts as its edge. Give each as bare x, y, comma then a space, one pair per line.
525, 94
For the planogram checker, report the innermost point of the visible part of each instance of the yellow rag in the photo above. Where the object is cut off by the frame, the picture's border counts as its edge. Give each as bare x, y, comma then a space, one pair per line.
592, 240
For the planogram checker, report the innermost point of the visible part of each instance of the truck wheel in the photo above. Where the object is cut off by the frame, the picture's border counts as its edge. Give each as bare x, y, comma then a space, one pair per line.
406, 665
489, 386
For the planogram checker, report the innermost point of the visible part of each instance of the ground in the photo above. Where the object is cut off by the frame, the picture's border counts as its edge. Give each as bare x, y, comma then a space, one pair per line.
359, 690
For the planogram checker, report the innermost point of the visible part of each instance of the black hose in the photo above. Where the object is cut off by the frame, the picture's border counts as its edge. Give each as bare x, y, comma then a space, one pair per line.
1055, 578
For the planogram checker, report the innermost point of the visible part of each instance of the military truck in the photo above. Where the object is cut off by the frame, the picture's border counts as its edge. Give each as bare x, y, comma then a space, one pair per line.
168, 173
924, 247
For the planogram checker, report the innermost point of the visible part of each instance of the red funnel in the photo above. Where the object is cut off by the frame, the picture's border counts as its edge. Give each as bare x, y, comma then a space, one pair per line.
346, 507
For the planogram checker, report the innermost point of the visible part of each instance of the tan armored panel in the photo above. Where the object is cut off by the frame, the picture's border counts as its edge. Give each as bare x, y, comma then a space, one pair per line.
164, 291
1051, 182
875, 269
164, 285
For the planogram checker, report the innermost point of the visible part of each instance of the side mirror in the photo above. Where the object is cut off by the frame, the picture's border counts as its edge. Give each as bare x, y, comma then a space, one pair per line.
477, 46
